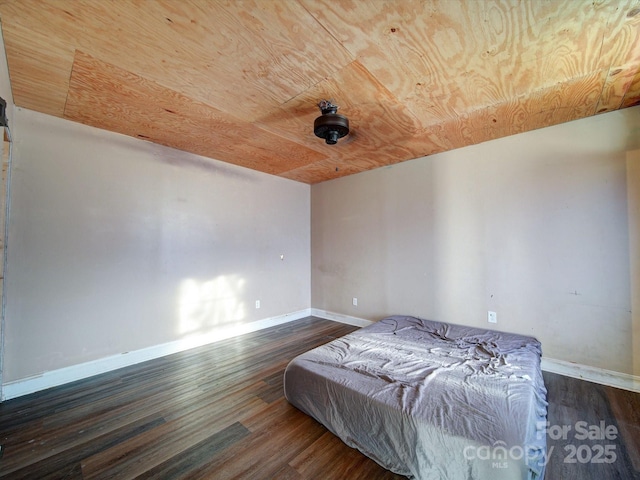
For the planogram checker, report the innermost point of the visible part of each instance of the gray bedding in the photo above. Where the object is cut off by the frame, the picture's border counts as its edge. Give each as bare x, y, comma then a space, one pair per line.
430, 400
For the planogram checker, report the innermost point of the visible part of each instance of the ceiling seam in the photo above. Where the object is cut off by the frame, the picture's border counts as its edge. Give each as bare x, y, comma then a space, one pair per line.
355, 57
66, 97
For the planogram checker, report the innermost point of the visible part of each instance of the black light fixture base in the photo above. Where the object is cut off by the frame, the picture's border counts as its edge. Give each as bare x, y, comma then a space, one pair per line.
330, 126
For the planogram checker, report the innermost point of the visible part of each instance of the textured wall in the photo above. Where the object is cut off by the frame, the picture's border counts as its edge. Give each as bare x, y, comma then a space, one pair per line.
633, 196
117, 244
534, 227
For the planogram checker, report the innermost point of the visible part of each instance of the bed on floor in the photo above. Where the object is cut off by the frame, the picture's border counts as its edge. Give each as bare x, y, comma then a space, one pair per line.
430, 400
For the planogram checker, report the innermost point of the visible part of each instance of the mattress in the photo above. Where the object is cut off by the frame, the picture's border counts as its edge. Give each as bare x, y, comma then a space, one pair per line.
430, 400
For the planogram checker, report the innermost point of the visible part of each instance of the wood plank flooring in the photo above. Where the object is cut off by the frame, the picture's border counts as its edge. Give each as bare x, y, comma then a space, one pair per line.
219, 412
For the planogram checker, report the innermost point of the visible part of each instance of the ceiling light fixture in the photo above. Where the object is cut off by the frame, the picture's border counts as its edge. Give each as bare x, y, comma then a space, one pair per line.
330, 125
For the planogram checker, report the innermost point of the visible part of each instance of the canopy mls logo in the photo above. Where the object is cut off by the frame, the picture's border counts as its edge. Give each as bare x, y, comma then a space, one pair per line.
586, 444
500, 456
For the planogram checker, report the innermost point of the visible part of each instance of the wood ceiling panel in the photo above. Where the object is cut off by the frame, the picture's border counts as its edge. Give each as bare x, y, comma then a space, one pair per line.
239, 80
324, 170
39, 69
442, 60
360, 97
621, 47
632, 96
107, 97
548, 106
382, 130
616, 86
242, 57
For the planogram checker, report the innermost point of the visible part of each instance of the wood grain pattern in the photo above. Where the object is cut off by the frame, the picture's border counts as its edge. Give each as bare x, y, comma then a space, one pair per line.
572, 401
445, 59
113, 99
414, 77
218, 411
43, 78
240, 57
632, 95
545, 107
384, 131
621, 47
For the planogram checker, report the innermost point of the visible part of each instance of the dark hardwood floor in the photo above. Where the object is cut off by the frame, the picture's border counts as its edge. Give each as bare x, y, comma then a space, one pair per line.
591, 425
219, 412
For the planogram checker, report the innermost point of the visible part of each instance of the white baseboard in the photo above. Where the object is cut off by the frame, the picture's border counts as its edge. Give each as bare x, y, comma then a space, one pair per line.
569, 369
592, 374
61, 376
84, 370
338, 317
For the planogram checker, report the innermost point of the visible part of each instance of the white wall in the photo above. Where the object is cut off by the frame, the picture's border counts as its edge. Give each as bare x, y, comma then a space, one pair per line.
633, 201
534, 227
6, 94
118, 244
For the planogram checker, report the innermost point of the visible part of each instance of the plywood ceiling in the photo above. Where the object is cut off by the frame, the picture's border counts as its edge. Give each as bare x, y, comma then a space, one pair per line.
239, 81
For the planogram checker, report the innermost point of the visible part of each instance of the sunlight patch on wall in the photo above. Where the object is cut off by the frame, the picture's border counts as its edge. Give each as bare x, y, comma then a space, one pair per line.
203, 306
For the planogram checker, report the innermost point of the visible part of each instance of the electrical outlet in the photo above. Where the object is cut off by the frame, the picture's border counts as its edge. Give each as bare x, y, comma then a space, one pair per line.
257, 303
492, 317
355, 302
